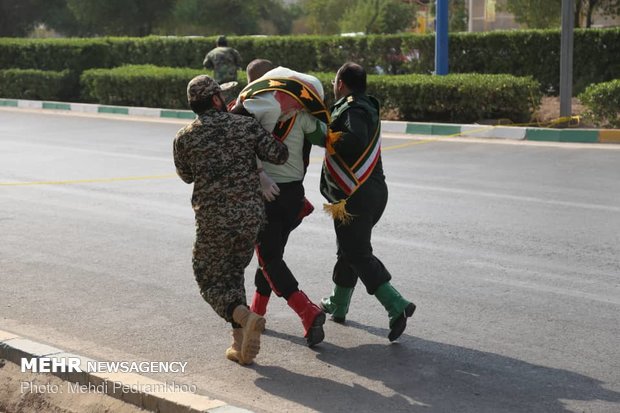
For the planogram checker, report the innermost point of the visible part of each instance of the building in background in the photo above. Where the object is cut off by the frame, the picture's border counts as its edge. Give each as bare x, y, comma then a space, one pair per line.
487, 15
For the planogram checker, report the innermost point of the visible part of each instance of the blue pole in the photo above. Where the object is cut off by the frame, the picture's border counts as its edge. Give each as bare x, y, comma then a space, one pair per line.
441, 37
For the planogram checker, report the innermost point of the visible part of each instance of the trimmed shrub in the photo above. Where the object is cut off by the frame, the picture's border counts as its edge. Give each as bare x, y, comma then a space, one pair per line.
35, 84
144, 85
603, 104
453, 98
463, 98
533, 53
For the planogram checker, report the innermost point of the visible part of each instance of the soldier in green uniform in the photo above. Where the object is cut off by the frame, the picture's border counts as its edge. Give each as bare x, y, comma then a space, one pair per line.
353, 182
217, 153
224, 61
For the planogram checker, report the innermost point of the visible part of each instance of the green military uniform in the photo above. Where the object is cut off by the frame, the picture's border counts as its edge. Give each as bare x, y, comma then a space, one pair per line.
352, 180
357, 117
224, 61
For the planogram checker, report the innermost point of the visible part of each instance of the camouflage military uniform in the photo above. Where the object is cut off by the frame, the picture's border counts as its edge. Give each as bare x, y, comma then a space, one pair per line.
224, 61
217, 152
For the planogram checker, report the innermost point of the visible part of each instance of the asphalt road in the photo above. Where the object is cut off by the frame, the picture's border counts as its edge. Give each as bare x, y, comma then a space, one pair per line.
510, 251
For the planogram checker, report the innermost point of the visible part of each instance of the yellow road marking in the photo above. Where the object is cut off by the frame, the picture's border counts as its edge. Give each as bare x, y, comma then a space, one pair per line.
89, 181
406, 145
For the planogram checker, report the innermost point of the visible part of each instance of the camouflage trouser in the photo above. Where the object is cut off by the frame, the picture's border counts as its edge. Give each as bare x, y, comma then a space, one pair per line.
219, 260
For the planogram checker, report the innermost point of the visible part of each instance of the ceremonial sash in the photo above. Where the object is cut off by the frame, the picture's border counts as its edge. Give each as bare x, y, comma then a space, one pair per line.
304, 95
298, 90
350, 178
283, 128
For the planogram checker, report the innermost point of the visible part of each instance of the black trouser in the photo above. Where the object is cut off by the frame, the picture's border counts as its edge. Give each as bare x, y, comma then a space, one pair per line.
282, 219
355, 257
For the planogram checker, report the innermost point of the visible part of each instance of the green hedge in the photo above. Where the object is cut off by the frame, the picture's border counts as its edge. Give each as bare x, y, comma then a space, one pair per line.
602, 102
146, 85
522, 53
453, 98
35, 84
463, 98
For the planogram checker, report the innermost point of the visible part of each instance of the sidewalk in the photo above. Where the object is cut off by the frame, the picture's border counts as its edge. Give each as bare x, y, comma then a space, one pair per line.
140, 391
410, 128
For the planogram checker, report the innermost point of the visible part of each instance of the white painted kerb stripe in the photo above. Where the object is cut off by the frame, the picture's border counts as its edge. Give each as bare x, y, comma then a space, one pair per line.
482, 131
84, 107
393, 127
152, 112
30, 104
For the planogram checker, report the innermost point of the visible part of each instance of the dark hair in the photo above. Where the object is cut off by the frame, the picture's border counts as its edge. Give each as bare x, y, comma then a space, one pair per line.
258, 67
202, 105
353, 76
221, 41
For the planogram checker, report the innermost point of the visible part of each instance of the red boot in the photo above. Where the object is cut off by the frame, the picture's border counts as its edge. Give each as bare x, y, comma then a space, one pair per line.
259, 303
312, 317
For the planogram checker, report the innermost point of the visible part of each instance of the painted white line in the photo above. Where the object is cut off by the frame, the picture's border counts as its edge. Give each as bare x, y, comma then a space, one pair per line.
106, 116
583, 205
540, 288
60, 148
563, 145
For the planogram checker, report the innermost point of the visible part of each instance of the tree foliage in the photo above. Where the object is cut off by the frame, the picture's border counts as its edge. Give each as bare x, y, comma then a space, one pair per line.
243, 17
367, 16
121, 17
208, 17
18, 17
323, 15
536, 14
542, 14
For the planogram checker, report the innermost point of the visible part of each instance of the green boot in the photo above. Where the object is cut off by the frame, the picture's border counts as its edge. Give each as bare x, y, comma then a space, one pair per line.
397, 307
337, 304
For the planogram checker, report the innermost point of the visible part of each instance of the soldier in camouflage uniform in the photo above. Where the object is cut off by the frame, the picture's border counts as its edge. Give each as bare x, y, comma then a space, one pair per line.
217, 152
223, 60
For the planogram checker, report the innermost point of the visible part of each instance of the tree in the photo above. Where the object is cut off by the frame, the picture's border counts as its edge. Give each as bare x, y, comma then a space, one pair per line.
377, 16
458, 16
18, 17
585, 9
396, 16
281, 16
324, 15
542, 14
121, 17
536, 14
218, 16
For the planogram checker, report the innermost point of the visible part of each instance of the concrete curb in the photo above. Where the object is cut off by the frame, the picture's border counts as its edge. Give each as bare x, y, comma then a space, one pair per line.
407, 128
148, 394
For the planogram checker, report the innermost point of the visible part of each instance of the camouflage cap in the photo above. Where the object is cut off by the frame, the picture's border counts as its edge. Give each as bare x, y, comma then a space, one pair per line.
202, 87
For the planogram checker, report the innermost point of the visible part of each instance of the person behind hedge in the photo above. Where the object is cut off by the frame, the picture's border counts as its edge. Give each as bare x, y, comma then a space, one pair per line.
353, 182
217, 152
291, 105
223, 60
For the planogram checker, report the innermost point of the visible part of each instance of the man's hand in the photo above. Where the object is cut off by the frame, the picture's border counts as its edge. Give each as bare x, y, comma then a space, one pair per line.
268, 186
237, 108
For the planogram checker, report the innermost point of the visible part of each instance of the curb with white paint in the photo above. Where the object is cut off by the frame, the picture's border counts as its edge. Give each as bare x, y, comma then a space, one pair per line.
128, 387
408, 128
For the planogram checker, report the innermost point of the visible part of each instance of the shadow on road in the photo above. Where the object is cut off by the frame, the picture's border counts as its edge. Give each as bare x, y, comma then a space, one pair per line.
427, 376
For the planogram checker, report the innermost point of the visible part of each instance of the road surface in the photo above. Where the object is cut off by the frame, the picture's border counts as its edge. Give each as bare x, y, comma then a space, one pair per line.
510, 251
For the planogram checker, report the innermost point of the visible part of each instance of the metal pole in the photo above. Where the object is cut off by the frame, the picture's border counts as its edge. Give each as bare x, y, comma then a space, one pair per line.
470, 16
566, 57
441, 37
